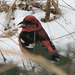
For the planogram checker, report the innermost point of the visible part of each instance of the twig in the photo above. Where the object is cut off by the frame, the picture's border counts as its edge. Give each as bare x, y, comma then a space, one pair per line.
65, 6
11, 39
3, 56
7, 44
68, 5
33, 67
14, 41
65, 29
63, 36
24, 64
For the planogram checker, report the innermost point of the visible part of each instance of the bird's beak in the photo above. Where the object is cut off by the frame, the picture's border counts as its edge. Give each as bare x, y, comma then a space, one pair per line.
22, 25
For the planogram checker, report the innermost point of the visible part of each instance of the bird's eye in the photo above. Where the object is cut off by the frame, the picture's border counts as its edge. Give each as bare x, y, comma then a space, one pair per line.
27, 22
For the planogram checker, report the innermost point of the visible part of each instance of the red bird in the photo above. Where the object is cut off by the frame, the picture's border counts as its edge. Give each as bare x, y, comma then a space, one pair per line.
32, 31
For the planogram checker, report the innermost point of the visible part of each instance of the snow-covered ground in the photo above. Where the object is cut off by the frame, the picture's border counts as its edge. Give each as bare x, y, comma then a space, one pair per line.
57, 30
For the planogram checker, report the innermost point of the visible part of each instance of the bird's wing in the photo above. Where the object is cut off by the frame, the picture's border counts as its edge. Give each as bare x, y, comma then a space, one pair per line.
43, 37
27, 38
47, 45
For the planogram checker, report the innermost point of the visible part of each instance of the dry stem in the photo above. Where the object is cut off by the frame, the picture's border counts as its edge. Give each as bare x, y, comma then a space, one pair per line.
9, 15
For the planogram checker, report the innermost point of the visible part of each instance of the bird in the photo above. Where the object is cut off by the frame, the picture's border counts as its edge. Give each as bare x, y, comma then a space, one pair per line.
33, 32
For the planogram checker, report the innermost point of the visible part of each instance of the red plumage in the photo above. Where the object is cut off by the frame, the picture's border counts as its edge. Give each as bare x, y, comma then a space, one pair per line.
31, 24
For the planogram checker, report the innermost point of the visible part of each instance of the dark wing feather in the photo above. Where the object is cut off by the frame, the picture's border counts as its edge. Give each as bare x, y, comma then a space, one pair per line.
27, 37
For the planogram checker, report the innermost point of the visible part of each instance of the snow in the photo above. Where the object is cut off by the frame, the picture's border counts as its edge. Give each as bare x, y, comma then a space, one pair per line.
63, 25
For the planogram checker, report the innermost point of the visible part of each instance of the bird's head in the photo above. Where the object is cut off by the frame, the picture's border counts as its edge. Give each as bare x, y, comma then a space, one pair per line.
30, 23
